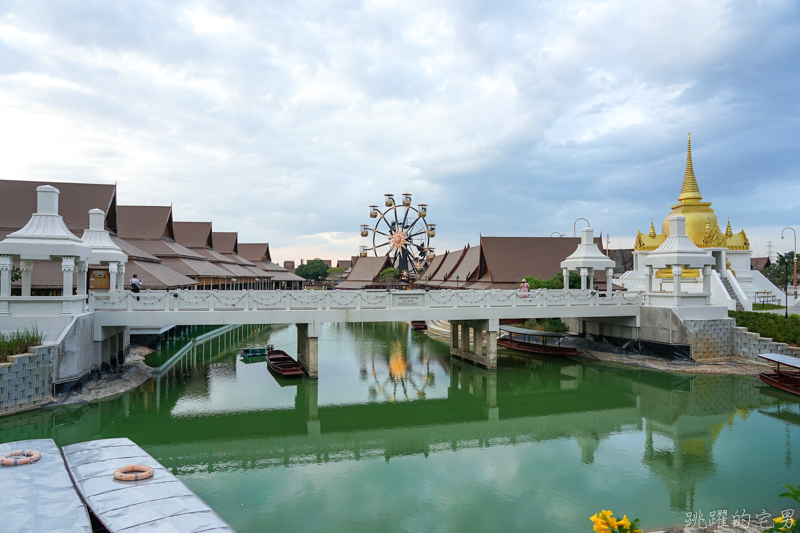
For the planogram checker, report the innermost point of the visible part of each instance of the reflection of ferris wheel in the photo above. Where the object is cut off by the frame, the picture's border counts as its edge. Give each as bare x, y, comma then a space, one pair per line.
402, 233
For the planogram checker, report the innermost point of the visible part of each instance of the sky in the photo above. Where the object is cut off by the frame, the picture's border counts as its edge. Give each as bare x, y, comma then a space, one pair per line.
286, 120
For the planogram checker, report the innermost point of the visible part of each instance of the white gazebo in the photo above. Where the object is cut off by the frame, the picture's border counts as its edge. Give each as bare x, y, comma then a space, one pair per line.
44, 238
104, 251
586, 259
676, 253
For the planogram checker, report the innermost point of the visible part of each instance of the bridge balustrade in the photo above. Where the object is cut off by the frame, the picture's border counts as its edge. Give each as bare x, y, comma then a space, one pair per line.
257, 300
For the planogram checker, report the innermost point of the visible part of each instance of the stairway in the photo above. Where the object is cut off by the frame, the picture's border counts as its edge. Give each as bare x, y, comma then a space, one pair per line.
729, 288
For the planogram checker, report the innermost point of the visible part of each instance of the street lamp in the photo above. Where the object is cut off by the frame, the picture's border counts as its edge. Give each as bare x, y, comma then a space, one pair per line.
786, 277
795, 262
456, 282
557, 233
574, 226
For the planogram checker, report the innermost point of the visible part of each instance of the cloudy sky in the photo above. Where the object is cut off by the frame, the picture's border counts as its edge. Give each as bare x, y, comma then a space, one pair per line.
285, 120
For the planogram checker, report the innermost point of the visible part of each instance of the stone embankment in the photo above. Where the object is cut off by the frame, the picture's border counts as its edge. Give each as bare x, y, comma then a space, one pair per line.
132, 374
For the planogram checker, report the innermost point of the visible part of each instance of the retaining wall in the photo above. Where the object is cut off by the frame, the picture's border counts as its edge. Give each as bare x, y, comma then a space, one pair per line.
749, 345
711, 338
25, 380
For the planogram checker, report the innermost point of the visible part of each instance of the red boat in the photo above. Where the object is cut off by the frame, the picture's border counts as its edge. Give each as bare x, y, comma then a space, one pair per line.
282, 363
525, 341
418, 325
785, 381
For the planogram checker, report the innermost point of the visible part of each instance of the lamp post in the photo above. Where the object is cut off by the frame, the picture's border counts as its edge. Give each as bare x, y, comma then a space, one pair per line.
795, 263
557, 233
575, 226
786, 277
456, 282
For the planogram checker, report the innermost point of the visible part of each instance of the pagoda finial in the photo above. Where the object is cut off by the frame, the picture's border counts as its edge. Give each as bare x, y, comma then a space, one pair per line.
652, 229
689, 191
729, 231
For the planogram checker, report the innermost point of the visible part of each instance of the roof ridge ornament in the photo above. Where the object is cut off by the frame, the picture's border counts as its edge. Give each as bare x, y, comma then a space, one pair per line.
690, 192
728, 230
652, 229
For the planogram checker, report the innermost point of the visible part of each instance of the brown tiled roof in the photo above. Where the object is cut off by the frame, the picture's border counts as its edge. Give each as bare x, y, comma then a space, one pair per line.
144, 221
257, 272
759, 263
344, 263
364, 272
155, 275
288, 265
195, 267
18, 203
447, 267
622, 258
255, 252
213, 256
239, 260
433, 267
509, 259
225, 241
134, 252
467, 270
237, 271
193, 234
164, 248
46, 275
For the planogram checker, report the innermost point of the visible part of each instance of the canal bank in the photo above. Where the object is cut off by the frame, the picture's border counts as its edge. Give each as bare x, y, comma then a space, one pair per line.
398, 436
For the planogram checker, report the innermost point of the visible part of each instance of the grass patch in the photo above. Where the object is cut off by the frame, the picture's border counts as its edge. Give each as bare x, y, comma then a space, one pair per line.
776, 327
17, 342
766, 307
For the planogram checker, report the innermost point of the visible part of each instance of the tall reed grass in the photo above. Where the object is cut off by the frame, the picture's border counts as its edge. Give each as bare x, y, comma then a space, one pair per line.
17, 342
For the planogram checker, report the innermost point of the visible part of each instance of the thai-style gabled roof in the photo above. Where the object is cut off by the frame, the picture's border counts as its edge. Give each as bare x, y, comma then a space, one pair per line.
225, 242
149, 222
193, 234
255, 252
467, 270
365, 272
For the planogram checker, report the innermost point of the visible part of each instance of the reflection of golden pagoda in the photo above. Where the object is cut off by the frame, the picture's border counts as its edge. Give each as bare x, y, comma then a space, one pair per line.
702, 226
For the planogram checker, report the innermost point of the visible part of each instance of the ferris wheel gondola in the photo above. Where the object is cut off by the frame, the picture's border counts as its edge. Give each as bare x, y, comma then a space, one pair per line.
403, 233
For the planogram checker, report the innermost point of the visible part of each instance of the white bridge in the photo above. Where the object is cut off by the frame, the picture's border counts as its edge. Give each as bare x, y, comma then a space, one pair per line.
480, 311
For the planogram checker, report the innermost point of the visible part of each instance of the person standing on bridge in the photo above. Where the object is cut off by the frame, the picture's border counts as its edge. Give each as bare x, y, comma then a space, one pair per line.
523, 288
135, 284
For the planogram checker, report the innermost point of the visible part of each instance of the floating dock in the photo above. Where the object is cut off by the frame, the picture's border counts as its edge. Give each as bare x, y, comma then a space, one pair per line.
159, 503
40, 496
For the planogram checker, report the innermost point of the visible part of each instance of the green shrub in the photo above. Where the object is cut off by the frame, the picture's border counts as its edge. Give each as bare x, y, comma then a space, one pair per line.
554, 325
18, 342
776, 327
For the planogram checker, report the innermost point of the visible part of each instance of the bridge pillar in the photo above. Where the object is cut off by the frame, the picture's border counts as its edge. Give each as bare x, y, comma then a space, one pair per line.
308, 347
482, 329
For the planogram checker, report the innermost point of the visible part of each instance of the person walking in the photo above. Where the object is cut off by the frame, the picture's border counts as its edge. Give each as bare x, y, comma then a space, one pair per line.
135, 285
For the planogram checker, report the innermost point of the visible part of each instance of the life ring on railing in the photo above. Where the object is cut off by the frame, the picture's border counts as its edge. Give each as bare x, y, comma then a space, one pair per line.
19, 457
133, 472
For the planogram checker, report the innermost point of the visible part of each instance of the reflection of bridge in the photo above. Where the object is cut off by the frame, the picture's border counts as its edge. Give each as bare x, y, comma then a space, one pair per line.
476, 310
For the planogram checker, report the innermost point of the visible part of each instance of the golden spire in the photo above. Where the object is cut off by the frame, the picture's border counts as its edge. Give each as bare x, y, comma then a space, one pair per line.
728, 231
690, 191
652, 229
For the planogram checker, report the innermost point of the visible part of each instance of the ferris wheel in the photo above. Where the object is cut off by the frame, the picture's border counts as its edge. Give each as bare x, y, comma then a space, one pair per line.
402, 233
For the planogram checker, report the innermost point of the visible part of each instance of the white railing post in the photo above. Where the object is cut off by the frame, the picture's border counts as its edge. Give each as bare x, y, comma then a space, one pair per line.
359, 297
210, 301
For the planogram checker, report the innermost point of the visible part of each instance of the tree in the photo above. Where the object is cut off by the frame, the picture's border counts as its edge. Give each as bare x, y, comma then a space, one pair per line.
388, 275
556, 282
777, 271
335, 274
16, 274
313, 270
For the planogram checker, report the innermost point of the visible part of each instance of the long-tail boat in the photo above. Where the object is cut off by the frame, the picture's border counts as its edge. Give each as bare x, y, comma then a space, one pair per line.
785, 381
535, 341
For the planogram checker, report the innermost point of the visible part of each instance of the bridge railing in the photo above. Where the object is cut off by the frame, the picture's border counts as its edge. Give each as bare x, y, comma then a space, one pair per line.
253, 300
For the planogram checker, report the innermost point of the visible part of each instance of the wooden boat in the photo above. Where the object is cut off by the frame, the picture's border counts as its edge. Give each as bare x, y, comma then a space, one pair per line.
785, 381
418, 325
282, 363
534, 341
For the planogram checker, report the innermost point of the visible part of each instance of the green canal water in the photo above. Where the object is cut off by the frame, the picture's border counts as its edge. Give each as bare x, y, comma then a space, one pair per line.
398, 436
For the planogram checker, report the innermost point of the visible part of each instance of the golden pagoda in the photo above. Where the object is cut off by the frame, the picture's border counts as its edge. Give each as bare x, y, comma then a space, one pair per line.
702, 226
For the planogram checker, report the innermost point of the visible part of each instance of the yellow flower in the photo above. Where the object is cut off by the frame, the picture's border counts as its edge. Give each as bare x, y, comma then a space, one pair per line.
787, 521
624, 522
603, 522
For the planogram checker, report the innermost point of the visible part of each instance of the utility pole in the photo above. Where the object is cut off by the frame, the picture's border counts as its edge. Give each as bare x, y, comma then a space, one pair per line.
769, 251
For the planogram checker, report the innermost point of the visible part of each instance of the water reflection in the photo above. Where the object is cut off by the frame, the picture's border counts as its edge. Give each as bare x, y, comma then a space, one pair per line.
386, 392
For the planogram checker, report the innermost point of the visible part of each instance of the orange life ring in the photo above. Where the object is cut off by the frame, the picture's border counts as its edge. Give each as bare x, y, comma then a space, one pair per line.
133, 472
19, 457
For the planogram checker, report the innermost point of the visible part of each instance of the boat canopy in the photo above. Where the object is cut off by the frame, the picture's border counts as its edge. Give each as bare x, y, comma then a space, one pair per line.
787, 360
523, 331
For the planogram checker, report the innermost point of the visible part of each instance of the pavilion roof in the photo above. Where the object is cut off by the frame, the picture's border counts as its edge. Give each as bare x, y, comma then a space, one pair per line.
466, 270
145, 222
193, 234
225, 242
